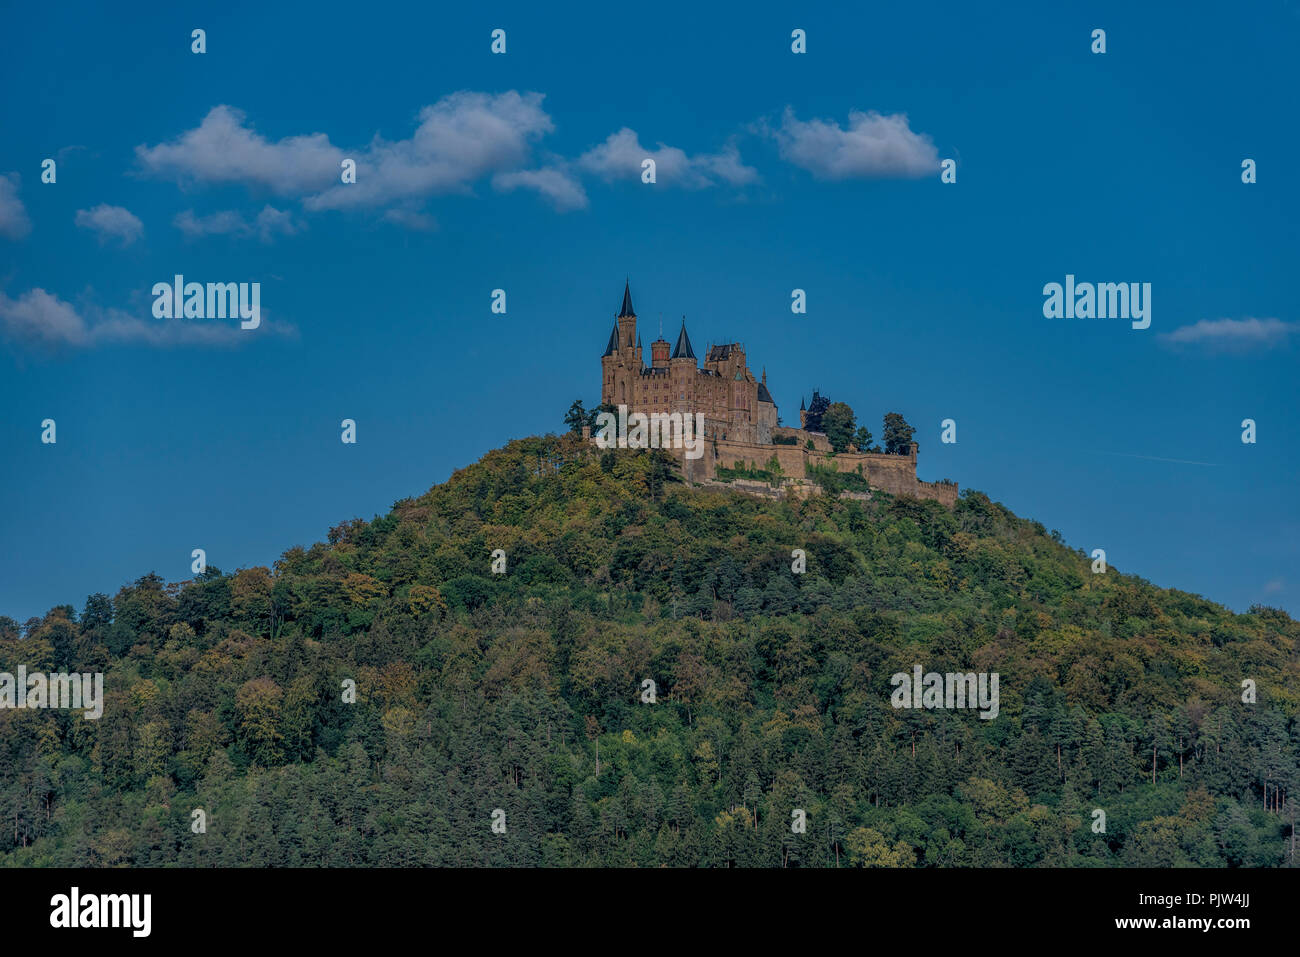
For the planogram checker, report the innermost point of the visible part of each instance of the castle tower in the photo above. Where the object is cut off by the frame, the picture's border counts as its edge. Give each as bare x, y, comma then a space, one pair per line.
627, 321
683, 348
621, 364
659, 353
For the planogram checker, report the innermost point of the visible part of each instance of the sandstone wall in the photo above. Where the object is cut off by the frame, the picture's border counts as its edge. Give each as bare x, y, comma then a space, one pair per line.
895, 474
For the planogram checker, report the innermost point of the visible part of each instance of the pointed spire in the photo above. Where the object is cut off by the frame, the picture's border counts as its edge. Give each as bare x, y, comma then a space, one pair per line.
683, 348
802, 407
613, 341
627, 301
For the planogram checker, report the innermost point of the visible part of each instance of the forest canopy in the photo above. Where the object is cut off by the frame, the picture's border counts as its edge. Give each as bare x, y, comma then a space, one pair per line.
524, 692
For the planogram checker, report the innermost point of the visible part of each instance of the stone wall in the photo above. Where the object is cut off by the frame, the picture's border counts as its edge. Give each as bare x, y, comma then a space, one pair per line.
895, 474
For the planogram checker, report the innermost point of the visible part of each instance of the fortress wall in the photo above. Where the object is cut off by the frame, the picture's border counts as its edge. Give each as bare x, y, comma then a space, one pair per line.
895, 474
940, 492
731, 454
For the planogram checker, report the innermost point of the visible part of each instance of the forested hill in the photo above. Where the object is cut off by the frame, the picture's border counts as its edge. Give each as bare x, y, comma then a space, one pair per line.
522, 693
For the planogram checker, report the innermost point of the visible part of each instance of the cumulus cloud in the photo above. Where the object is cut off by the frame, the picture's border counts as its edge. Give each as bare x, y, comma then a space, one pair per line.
621, 156
224, 149
14, 223
111, 222
1233, 335
268, 224
459, 140
552, 182
873, 146
41, 320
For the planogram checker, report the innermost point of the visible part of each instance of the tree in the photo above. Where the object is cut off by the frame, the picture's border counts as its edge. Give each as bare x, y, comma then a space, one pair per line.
838, 422
749, 602
867, 847
98, 613
862, 439
576, 417
898, 435
258, 707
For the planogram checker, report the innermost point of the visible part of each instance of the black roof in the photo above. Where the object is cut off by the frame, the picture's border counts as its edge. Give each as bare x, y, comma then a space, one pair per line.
627, 301
764, 395
683, 348
613, 342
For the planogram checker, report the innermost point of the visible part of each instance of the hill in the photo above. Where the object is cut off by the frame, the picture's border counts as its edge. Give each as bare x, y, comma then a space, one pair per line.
520, 697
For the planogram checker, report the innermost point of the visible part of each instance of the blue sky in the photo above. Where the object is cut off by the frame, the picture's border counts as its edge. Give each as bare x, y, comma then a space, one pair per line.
521, 171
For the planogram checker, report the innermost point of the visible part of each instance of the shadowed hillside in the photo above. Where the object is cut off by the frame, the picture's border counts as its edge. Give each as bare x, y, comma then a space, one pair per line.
523, 692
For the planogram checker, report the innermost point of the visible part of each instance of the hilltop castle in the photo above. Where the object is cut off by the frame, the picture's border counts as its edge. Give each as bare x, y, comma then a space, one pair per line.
741, 424
736, 406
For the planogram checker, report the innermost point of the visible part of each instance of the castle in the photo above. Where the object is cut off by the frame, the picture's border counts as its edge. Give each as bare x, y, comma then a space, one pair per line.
741, 424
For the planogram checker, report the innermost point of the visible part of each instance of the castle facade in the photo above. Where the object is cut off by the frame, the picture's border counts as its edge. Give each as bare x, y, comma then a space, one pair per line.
736, 405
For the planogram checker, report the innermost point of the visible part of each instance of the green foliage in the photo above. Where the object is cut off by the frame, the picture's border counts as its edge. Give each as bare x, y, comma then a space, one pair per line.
833, 481
769, 475
522, 691
898, 435
576, 417
838, 422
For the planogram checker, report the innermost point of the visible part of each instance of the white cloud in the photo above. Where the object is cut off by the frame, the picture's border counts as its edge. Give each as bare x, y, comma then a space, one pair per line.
111, 222
621, 156
269, 223
411, 219
459, 140
224, 223
1233, 335
556, 184
38, 318
272, 222
41, 320
222, 149
872, 147
463, 138
14, 223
